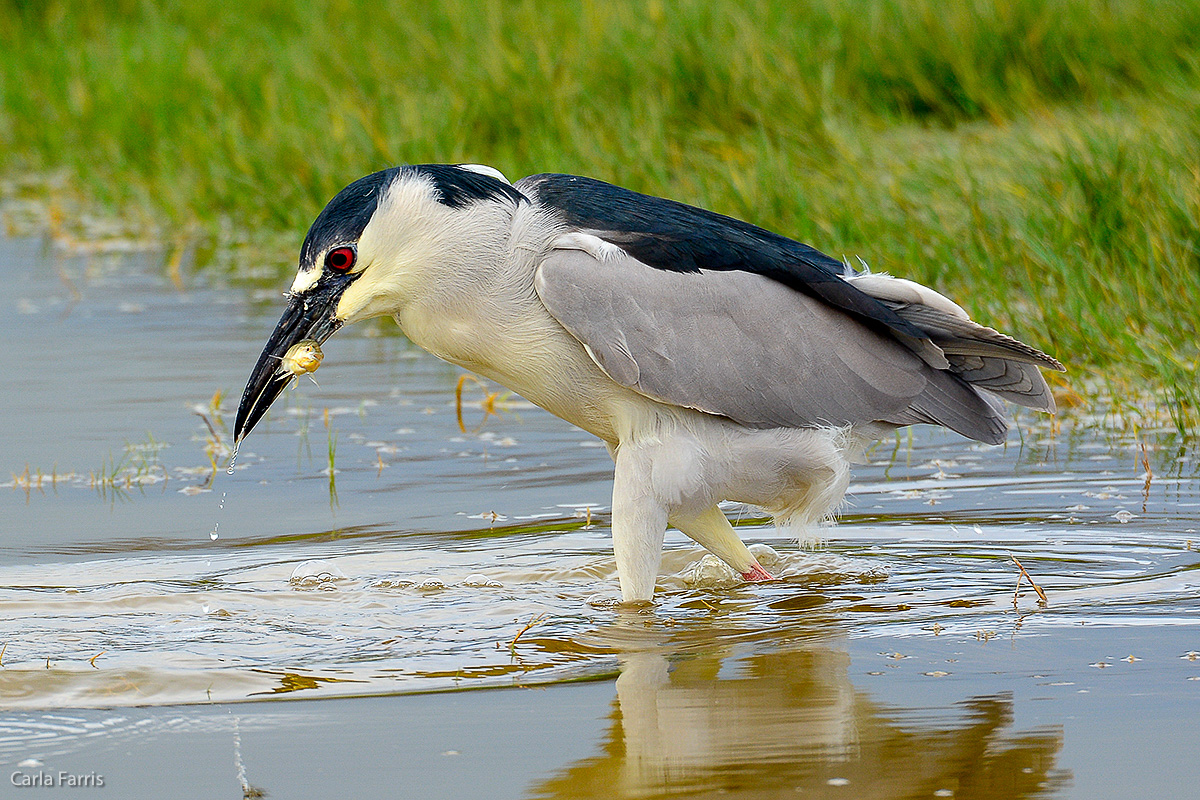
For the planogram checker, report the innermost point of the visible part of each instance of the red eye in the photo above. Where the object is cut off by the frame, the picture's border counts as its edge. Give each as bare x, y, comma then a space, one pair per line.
340, 259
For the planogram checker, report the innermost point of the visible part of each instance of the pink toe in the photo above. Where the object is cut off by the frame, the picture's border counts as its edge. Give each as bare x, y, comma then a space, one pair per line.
757, 573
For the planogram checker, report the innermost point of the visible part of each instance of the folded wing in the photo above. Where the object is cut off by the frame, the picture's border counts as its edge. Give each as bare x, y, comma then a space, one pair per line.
747, 347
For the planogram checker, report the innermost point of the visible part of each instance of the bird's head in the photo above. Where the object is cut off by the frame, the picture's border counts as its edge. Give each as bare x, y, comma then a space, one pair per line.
366, 254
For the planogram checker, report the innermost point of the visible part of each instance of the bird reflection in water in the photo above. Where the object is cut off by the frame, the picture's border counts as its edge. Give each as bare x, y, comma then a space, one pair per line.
792, 724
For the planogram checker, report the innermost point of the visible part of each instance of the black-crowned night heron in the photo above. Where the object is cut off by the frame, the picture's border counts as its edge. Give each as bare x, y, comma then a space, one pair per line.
715, 359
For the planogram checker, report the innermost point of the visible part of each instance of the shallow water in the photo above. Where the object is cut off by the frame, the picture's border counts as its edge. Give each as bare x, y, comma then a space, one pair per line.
890, 661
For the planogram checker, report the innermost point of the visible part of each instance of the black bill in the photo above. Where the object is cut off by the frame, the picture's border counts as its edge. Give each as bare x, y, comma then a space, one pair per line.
309, 315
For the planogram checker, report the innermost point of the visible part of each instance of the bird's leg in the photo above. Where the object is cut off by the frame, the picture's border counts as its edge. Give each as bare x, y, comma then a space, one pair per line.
639, 521
712, 531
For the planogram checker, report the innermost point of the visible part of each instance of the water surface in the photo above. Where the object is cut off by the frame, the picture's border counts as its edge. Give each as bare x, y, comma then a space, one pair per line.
890, 661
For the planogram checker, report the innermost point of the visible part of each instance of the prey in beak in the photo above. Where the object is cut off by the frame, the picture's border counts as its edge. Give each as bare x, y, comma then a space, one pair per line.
329, 264
309, 317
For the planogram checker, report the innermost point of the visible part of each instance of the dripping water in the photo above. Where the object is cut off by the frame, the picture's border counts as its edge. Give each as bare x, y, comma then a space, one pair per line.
213, 534
232, 460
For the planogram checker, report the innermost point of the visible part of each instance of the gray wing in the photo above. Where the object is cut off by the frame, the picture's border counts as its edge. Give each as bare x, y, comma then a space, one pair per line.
747, 347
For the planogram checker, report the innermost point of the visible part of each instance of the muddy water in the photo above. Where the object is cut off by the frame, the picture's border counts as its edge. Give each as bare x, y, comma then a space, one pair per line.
368, 551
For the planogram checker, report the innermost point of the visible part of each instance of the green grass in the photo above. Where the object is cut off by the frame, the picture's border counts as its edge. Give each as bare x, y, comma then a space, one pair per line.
1037, 161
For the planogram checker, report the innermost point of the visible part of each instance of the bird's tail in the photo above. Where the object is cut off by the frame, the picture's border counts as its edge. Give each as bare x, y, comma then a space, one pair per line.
977, 356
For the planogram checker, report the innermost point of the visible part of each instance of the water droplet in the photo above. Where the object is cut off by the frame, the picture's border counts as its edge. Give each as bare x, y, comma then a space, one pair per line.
213, 534
233, 458
222, 500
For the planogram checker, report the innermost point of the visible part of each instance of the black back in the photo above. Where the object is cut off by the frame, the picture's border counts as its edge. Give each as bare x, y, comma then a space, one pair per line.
668, 235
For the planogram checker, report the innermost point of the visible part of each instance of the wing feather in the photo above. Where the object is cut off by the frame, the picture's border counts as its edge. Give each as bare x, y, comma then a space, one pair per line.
741, 345
677, 237
709, 312
979, 355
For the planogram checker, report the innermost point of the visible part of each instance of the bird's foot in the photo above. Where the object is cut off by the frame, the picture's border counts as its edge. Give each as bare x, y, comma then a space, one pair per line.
756, 574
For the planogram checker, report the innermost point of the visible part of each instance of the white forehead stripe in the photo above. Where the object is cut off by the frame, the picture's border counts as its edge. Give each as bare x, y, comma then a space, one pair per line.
305, 279
484, 169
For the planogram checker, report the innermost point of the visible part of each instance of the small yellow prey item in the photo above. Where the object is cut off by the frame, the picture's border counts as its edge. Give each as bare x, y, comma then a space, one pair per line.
302, 358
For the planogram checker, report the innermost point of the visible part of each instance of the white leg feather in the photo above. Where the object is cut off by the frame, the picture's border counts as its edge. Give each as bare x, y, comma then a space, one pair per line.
639, 521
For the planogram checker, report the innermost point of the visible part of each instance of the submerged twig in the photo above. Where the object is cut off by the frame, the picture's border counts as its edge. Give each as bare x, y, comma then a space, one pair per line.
215, 445
333, 497
1025, 574
76, 295
458, 400
216, 436
173, 266
488, 404
1149, 475
512, 646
